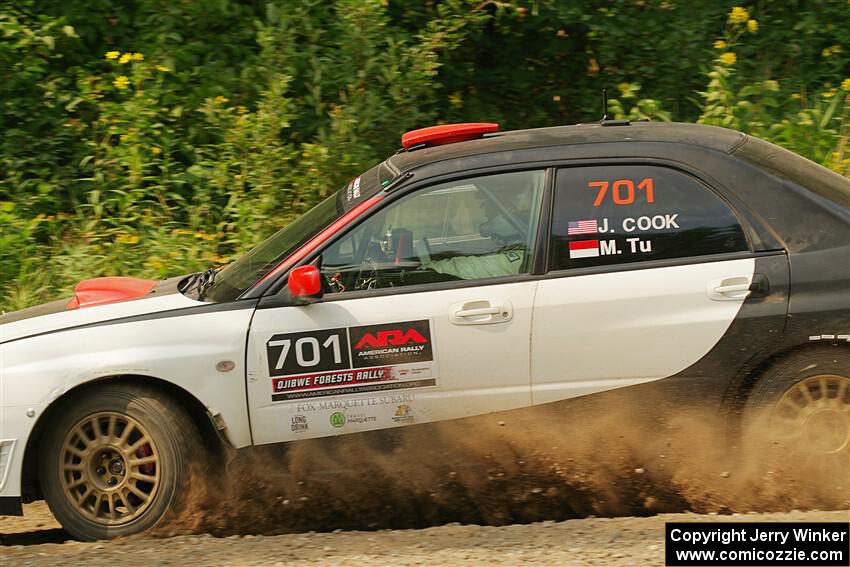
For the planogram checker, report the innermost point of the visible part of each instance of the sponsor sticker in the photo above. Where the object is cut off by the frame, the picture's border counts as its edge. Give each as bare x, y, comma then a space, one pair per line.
403, 414
391, 343
351, 403
298, 423
360, 418
337, 419
366, 358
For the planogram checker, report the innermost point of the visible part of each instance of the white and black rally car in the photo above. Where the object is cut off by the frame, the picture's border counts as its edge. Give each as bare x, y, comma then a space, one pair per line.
473, 272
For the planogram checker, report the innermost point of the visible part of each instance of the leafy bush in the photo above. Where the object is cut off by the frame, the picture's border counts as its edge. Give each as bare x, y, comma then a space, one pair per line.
157, 138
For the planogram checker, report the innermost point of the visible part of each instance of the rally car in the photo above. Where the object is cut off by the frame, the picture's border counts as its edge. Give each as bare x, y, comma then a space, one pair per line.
475, 271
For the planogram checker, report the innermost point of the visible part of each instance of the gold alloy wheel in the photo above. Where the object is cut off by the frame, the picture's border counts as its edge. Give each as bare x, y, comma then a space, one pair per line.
814, 414
109, 468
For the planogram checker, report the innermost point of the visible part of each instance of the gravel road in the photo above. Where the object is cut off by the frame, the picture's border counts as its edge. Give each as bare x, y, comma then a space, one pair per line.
590, 541
593, 480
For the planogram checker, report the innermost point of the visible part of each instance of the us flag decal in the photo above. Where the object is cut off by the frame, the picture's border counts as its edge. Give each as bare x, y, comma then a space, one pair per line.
582, 227
584, 249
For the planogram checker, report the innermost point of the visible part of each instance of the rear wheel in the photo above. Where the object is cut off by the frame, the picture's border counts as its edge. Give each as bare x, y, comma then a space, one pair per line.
803, 404
116, 461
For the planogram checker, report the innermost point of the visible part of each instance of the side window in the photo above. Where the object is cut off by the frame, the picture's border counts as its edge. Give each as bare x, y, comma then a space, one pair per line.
608, 215
477, 228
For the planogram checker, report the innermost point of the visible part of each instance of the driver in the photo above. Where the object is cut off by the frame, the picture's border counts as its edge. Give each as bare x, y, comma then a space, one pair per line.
506, 261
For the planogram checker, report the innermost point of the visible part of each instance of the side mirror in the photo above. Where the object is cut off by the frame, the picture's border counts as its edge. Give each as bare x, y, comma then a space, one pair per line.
305, 284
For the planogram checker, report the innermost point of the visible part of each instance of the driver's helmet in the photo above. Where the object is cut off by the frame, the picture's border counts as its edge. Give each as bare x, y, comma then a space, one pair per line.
506, 208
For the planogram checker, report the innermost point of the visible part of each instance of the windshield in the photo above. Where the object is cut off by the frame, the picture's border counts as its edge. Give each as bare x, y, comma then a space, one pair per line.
236, 278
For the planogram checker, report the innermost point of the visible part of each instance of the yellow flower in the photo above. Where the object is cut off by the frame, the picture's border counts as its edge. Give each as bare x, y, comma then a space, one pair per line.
113, 54
720, 44
739, 15
126, 58
752, 26
162, 69
241, 109
456, 99
138, 57
830, 93
156, 150
728, 58
795, 96
221, 99
845, 84
121, 82
128, 238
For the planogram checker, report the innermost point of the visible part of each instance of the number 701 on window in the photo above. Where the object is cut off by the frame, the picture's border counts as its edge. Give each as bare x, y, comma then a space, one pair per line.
622, 191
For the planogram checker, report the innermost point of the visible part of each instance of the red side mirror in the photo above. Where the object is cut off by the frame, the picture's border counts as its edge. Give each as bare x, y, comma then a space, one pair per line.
305, 282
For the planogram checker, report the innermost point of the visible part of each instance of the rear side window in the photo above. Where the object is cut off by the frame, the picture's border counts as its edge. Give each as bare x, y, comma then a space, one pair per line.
608, 215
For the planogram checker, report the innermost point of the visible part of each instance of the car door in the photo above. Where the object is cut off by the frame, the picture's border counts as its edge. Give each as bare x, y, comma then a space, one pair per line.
419, 298
648, 268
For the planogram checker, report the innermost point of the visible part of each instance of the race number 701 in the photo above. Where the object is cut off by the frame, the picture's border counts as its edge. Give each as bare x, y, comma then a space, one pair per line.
622, 191
311, 351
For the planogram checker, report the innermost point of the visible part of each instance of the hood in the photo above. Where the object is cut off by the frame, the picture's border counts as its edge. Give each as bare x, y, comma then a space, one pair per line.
96, 300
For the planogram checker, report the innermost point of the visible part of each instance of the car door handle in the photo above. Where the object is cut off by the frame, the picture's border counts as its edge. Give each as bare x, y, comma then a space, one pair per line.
480, 312
477, 312
730, 289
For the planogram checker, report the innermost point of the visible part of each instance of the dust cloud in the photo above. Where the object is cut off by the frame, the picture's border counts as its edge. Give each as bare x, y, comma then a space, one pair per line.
589, 457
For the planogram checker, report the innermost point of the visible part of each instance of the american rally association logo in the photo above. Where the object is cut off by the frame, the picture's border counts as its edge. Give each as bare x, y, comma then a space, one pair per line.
390, 344
337, 419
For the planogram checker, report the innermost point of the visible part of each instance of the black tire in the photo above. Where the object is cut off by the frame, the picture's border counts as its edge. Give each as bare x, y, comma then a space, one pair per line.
802, 403
133, 485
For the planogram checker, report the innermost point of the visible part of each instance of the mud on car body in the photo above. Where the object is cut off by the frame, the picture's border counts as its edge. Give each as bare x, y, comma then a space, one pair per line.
473, 272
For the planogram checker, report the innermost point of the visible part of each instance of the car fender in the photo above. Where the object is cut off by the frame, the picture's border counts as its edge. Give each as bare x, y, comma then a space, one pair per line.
199, 350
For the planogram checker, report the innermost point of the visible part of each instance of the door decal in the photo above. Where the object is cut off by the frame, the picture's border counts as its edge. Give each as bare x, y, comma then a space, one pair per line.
366, 358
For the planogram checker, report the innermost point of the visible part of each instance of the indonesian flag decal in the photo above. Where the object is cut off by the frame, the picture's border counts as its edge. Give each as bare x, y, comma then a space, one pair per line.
582, 227
584, 249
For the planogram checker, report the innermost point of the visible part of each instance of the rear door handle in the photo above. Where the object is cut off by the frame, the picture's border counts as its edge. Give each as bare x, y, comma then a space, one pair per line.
726, 289
481, 312
735, 288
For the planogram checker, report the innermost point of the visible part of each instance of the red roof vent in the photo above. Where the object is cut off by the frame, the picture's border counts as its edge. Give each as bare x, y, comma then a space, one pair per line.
98, 291
447, 134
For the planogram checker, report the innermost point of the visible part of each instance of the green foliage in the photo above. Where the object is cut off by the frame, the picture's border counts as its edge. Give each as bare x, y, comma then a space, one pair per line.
154, 138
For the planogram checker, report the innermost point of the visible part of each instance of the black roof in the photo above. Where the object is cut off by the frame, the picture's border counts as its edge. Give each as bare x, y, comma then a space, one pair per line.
710, 137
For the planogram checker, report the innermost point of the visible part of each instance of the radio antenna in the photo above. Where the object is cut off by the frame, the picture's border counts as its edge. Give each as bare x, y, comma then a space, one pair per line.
604, 105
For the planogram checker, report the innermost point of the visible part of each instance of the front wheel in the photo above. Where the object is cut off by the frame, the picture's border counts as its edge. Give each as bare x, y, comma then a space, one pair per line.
116, 461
